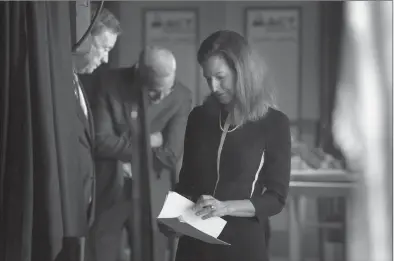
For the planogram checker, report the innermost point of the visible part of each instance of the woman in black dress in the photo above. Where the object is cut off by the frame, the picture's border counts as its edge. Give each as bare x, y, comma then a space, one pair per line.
236, 162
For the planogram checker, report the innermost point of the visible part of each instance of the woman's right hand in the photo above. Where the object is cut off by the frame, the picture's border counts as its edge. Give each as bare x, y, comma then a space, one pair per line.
167, 231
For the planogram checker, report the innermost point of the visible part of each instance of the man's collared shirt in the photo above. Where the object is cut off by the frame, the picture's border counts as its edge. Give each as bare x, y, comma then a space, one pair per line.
79, 93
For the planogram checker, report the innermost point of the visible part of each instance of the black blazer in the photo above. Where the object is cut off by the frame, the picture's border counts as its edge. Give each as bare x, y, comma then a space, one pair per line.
111, 106
254, 164
86, 168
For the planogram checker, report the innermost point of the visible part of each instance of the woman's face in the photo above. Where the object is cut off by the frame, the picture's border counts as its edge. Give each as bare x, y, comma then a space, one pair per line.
220, 78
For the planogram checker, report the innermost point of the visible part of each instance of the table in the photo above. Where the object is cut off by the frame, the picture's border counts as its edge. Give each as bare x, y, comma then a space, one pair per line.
313, 183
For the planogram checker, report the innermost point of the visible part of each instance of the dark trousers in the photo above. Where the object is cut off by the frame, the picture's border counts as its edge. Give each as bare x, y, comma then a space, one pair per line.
106, 233
72, 250
76, 248
107, 230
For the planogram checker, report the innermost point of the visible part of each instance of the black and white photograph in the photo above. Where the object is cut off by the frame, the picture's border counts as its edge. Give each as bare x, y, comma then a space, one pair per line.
196, 130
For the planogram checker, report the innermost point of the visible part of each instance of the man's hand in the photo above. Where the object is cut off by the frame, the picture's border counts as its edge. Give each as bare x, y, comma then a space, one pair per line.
207, 207
156, 140
126, 170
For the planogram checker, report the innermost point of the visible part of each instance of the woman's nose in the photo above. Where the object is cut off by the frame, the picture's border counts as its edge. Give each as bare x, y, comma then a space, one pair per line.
214, 85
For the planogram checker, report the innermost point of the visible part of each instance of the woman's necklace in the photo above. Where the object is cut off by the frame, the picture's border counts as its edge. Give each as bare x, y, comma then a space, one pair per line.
225, 130
220, 123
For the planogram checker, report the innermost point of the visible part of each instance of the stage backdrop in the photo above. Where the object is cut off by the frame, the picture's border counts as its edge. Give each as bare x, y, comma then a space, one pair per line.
275, 32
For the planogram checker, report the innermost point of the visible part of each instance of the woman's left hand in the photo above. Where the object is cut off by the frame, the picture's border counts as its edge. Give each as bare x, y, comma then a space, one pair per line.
207, 207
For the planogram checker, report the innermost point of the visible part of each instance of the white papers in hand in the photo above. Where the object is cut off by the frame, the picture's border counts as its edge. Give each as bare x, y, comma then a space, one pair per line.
177, 213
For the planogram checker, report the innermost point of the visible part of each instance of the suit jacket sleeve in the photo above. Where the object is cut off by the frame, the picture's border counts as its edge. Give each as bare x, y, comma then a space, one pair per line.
174, 132
110, 143
276, 171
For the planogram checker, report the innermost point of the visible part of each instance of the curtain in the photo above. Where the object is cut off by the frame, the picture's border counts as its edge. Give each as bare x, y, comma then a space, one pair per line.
331, 32
363, 126
38, 181
332, 24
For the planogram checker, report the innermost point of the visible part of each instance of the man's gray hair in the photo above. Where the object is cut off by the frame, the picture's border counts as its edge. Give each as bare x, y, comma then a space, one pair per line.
156, 61
105, 21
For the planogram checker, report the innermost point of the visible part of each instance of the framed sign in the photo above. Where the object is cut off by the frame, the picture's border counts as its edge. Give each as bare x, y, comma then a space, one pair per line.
276, 34
177, 31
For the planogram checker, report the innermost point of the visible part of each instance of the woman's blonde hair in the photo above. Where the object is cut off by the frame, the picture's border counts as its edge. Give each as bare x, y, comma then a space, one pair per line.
254, 93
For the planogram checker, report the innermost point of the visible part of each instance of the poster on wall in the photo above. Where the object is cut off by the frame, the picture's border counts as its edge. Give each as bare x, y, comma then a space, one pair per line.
275, 33
177, 31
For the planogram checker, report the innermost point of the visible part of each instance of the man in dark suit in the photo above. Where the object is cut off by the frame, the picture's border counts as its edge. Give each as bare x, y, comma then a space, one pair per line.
169, 106
80, 203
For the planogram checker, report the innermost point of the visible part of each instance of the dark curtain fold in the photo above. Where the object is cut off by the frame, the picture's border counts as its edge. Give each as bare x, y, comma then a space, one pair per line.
331, 32
38, 180
16, 165
331, 38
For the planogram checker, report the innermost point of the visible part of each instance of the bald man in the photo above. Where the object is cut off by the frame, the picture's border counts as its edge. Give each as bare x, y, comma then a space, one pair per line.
169, 106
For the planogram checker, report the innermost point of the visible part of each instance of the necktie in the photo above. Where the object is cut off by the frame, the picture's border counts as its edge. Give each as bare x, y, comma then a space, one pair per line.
79, 94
